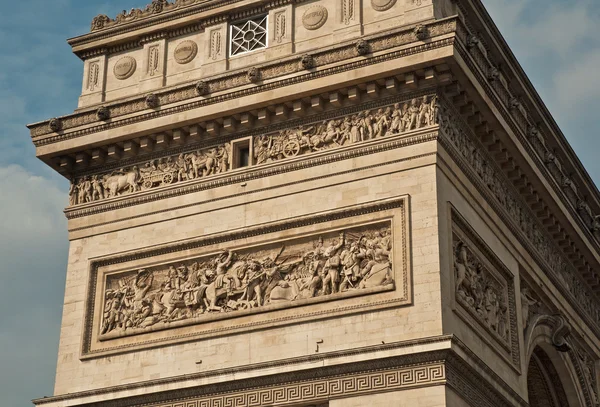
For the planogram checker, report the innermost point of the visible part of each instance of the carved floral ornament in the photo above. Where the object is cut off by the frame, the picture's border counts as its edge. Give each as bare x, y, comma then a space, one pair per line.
330, 265
362, 126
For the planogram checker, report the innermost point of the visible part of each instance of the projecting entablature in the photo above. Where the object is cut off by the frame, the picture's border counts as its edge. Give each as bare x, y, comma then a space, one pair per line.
171, 43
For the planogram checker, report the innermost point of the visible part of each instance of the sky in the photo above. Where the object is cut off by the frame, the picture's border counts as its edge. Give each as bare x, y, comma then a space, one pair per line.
556, 41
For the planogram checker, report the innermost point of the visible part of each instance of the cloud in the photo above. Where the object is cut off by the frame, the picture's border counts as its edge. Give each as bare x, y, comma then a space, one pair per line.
33, 249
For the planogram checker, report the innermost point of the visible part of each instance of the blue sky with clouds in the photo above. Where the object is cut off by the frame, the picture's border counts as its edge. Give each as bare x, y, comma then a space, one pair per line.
556, 41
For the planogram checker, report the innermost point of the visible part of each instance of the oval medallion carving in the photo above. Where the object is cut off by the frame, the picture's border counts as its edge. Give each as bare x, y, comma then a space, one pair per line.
124, 68
382, 5
314, 17
185, 52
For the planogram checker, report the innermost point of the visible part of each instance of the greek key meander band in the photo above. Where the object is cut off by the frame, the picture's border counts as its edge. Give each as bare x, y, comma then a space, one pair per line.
319, 390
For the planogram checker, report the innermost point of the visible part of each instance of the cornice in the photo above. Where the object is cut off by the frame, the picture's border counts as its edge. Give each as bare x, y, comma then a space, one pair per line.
521, 128
105, 27
515, 213
521, 88
531, 91
452, 364
42, 134
311, 358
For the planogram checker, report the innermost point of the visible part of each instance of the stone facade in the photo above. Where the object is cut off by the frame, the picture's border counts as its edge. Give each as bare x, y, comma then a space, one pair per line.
319, 203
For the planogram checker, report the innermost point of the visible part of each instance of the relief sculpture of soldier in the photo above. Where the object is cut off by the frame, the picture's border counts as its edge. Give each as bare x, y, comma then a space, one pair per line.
230, 281
359, 127
478, 291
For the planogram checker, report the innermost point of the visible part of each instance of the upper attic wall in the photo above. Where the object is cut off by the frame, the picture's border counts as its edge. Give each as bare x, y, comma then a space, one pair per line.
145, 50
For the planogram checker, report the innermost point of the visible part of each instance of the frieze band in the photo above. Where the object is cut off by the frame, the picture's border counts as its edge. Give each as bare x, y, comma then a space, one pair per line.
363, 126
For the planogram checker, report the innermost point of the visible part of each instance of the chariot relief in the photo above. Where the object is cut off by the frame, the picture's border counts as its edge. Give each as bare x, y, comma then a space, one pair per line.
360, 127
331, 265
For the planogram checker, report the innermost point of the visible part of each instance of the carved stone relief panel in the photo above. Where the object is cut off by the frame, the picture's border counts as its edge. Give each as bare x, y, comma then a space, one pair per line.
93, 76
216, 44
281, 22
185, 52
124, 68
209, 282
269, 147
153, 60
484, 290
323, 266
349, 10
314, 17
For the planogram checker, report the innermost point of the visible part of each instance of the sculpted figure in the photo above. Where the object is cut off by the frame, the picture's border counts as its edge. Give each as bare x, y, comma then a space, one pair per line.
382, 123
368, 128
223, 155
424, 114
434, 110
351, 259
405, 118
182, 168
596, 227
222, 263
413, 112
97, 188
460, 265
72, 193
331, 269
396, 120
355, 135
262, 148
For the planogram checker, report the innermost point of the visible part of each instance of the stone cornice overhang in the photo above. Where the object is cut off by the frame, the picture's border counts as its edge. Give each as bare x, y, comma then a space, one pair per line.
521, 87
446, 360
183, 14
233, 84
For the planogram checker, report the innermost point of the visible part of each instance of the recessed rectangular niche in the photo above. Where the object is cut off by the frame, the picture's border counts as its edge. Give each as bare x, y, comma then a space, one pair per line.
346, 261
241, 153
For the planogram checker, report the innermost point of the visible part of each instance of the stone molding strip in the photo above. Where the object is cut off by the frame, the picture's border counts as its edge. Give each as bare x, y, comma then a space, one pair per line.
445, 366
287, 224
310, 358
379, 42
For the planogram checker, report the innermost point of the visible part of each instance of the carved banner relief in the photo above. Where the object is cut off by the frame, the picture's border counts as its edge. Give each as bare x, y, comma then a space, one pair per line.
484, 290
240, 275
